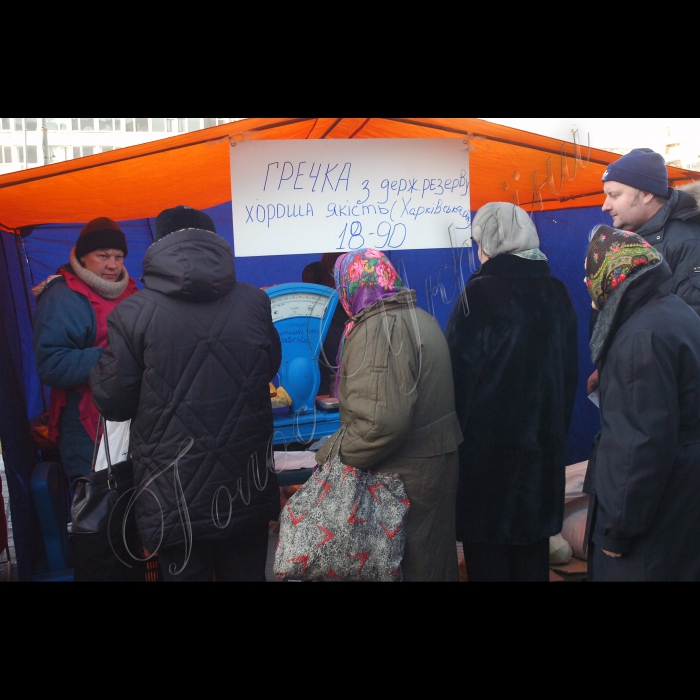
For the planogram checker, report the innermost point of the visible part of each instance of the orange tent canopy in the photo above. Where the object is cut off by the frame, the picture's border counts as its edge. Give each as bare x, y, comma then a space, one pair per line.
506, 164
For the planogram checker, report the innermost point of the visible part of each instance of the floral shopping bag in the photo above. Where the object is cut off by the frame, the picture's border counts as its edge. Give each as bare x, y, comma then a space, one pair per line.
343, 524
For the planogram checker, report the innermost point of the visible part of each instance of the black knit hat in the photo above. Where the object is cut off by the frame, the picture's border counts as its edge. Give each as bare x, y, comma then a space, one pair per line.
182, 217
98, 234
641, 168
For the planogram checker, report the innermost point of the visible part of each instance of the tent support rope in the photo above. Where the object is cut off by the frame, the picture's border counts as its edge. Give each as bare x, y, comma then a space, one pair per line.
359, 128
509, 142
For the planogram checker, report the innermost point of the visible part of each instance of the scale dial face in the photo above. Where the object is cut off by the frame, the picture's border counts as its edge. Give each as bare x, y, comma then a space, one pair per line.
301, 304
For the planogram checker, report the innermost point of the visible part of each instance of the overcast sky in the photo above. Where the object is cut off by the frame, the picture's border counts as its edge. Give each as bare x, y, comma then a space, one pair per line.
616, 132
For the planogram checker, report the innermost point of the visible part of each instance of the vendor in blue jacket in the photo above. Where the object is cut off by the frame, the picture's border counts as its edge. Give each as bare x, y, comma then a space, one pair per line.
70, 333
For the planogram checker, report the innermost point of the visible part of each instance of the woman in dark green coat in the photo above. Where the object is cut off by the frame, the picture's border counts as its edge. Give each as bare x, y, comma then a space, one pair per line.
397, 400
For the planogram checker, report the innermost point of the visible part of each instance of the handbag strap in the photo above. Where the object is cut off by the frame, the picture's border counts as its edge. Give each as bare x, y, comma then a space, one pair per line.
339, 435
96, 449
102, 425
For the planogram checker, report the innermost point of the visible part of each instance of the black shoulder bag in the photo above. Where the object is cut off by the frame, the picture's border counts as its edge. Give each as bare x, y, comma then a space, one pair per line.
106, 545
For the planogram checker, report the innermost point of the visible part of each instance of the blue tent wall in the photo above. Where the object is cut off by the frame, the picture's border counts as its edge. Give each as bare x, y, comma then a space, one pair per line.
19, 454
563, 237
21, 300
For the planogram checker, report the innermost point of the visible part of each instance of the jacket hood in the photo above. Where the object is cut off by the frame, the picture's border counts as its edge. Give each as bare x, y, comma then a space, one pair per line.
190, 264
404, 298
681, 205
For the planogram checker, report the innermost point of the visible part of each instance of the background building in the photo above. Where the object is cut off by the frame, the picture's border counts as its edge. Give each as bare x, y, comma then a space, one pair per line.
677, 139
28, 142
679, 149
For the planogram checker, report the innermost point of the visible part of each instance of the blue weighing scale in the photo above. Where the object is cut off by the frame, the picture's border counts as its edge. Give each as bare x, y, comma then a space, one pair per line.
302, 314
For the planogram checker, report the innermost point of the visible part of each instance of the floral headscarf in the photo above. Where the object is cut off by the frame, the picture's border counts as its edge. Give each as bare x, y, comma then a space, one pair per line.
362, 278
613, 256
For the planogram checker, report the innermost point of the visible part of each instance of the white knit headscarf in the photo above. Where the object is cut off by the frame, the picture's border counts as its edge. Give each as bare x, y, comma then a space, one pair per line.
501, 227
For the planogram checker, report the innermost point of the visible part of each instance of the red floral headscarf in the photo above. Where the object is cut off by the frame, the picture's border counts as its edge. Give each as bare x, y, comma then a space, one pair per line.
362, 278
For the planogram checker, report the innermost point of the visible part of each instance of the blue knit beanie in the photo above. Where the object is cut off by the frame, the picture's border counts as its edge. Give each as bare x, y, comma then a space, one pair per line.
641, 168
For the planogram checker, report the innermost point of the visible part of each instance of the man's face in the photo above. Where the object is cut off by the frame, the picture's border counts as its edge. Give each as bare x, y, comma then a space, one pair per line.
105, 263
626, 205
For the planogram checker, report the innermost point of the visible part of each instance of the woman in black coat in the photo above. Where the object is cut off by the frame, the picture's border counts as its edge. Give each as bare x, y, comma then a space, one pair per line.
512, 338
189, 361
644, 476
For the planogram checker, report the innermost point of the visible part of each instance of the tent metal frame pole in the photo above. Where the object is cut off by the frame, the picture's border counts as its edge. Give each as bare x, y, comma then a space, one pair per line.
19, 244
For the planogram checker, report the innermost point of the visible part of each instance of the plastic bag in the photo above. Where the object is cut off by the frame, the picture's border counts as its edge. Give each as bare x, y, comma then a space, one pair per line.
575, 476
560, 550
118, 436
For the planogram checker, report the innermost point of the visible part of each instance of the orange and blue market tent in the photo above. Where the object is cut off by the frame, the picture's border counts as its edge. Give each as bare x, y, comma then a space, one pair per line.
43, 209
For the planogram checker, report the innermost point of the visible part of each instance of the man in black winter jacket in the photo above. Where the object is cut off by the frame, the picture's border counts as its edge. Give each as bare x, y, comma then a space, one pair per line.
638, 199
189, 361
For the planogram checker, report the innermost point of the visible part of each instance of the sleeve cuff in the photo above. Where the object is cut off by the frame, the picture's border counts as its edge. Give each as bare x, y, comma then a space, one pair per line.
612, 544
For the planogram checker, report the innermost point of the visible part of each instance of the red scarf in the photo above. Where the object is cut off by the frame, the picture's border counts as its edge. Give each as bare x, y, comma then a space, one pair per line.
89, 415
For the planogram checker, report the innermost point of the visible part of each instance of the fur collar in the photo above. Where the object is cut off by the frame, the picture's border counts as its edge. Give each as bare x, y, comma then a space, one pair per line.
404, 298
511, 265
693, 189
610, 318
108, 290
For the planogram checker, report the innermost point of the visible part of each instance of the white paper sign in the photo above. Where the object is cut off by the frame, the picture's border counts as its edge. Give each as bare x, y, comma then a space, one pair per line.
318, 196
